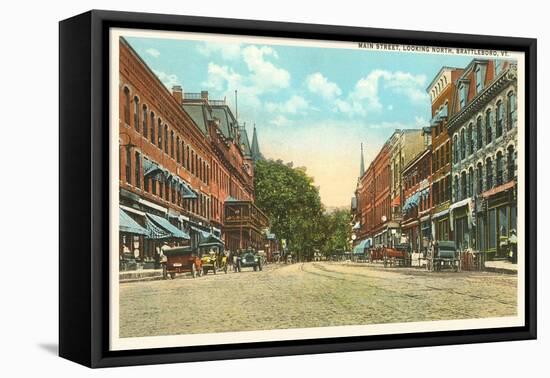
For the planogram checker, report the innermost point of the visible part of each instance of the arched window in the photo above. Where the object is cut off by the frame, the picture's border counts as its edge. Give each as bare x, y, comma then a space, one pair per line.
512, 110
479, 132
159, 134
455, 149
187, 159
166, 138
462, 145
471, 182
128, 165
193, 162
456, 189
126, 105
152, 127
463, 186
488, 126
479, 178
145, 120
138, 170
511, 163
489, 173
470, 139
500, 119
136, 113
500, 169
178, 158
172, 143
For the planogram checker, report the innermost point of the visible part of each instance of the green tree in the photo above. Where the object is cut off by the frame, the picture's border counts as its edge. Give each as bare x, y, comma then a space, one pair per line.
288, 196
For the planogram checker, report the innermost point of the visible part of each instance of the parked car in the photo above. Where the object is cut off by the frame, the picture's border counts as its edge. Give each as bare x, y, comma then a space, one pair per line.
213, 261
182, 260
249, 259
209, 262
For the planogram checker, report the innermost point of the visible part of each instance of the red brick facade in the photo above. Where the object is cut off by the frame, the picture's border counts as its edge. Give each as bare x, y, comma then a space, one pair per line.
154, 128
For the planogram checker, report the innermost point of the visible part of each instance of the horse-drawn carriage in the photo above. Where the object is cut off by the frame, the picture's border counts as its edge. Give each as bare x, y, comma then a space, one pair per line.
391, 256
182, 260
443, 254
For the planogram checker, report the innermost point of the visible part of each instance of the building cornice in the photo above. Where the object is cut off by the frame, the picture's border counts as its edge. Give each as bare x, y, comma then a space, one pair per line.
483, 98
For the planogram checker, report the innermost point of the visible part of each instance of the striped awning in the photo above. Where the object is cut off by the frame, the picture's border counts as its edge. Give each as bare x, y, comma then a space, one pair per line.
161, 228
128, 225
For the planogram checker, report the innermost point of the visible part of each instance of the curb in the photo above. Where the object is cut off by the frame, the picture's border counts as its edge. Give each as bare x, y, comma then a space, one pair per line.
500, 270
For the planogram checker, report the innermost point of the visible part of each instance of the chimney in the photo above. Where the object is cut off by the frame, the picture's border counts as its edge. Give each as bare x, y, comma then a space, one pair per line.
177, 92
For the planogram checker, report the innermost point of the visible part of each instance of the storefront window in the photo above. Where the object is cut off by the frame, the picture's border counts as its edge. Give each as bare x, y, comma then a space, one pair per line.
492, 229
503, 221
481, 234
513, 218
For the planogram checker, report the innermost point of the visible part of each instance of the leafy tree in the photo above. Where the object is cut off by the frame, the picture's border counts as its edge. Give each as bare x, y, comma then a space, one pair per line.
288, 196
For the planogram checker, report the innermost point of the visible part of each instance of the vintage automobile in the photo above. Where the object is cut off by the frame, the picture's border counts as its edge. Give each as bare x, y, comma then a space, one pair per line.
213, 262
443, 254
249, 259
182, 260
209, 262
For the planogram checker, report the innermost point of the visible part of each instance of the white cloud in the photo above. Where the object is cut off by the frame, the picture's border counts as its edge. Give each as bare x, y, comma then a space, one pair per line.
317, 83
365, 95
407, 84
295, 104
259, 77
228, 51
280, 121
222, 77
263, 74
169, 80
153, 52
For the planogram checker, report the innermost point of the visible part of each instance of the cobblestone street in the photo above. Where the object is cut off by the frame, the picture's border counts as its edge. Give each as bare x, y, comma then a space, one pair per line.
310, 295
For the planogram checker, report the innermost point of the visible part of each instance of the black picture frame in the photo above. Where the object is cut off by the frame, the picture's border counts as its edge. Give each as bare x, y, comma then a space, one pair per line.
84, 195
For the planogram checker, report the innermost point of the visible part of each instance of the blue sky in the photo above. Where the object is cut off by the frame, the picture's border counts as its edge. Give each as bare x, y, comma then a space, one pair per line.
311, 105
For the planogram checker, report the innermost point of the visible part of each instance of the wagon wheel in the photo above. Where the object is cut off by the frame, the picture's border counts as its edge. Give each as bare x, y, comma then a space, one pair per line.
194, 270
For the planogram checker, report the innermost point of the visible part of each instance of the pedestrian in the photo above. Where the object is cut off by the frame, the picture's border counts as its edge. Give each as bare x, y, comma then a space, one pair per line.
163, 259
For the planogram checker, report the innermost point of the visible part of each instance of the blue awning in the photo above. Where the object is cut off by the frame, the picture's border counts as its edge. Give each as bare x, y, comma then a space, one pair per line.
160, 228
184, 188
360, 248
127, 224
411, 201
153, 170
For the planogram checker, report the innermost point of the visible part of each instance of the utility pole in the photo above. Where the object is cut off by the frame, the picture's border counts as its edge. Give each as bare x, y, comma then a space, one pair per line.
236, 108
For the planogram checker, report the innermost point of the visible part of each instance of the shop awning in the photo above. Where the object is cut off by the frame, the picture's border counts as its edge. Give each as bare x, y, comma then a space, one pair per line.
360, 248
498, 189
183, 187
161, 228
127, 224
411, 201
153, 170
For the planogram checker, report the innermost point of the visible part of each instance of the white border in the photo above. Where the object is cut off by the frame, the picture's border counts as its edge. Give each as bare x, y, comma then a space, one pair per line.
117, 343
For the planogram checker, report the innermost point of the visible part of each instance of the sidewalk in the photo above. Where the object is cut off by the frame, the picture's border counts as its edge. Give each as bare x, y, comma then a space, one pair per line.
140, 275
501, 266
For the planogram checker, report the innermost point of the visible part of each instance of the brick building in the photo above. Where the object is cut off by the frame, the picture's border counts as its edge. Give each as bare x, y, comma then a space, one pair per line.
483, 129
442, 91
417, 201
182, 156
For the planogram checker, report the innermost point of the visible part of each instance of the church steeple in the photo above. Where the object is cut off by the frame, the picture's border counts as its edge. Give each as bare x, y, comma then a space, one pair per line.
256, 154
362, 167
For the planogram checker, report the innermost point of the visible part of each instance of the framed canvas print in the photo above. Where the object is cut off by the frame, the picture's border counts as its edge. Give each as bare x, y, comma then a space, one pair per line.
234, 188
